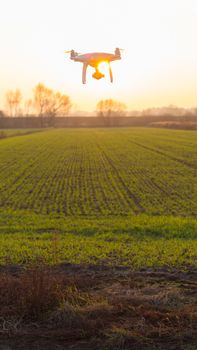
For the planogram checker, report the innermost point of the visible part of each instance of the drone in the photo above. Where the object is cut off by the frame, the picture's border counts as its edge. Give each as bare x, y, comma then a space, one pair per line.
93, 60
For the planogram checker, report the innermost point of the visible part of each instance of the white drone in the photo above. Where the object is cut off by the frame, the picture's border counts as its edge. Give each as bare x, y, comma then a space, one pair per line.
93, 60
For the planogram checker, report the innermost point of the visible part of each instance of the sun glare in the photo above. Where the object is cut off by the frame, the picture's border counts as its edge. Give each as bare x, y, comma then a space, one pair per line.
103, 67
157, 68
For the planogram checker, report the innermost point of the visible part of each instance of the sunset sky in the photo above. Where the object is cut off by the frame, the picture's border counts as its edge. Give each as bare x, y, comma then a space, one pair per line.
158, 66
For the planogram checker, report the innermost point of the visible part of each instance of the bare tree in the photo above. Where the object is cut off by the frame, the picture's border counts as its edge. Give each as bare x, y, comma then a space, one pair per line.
42, 97
59, 105
2, 114
110, 107
13, 101
9, 102
50, 103
28, 107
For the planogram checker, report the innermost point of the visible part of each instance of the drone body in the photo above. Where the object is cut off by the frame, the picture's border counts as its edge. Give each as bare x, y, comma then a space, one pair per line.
93, 60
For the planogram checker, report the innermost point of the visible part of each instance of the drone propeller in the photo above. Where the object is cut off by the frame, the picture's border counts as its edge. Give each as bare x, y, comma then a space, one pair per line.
118, 52
70, 51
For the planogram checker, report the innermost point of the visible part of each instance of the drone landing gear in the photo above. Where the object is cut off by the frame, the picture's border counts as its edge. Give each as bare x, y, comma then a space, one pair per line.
110, 74
85, 65
96, 75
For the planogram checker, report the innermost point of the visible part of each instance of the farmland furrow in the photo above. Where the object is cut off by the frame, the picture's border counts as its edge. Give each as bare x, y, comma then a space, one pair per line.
138, 207
164, 154
156, 184
100, 172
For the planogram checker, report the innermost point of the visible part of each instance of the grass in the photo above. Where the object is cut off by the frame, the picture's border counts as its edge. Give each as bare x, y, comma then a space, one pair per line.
112, 310
98, 239
137, 241
4, 133
109, 196
100, 172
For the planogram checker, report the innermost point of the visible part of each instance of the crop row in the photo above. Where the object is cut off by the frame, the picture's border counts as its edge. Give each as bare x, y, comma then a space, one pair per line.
100, 172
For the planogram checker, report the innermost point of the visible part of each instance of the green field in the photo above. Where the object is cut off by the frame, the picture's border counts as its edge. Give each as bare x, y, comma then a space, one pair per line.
16, 132
116, 196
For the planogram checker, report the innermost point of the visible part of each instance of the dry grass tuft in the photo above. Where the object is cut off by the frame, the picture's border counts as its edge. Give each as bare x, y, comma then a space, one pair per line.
54, 304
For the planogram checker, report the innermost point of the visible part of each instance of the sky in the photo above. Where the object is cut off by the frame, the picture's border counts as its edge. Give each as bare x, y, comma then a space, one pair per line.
159, 61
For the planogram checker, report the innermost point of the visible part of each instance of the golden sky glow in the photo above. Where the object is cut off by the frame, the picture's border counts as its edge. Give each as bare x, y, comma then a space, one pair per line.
158, 66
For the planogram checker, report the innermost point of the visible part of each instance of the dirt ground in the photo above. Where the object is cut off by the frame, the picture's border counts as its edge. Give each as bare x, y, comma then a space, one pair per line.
97, 307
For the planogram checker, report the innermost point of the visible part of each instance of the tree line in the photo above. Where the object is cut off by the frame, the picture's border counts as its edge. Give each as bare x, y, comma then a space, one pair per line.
46, 102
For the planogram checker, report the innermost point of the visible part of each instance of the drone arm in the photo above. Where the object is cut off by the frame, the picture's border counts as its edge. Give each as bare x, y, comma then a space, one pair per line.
110, 74
85, 65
